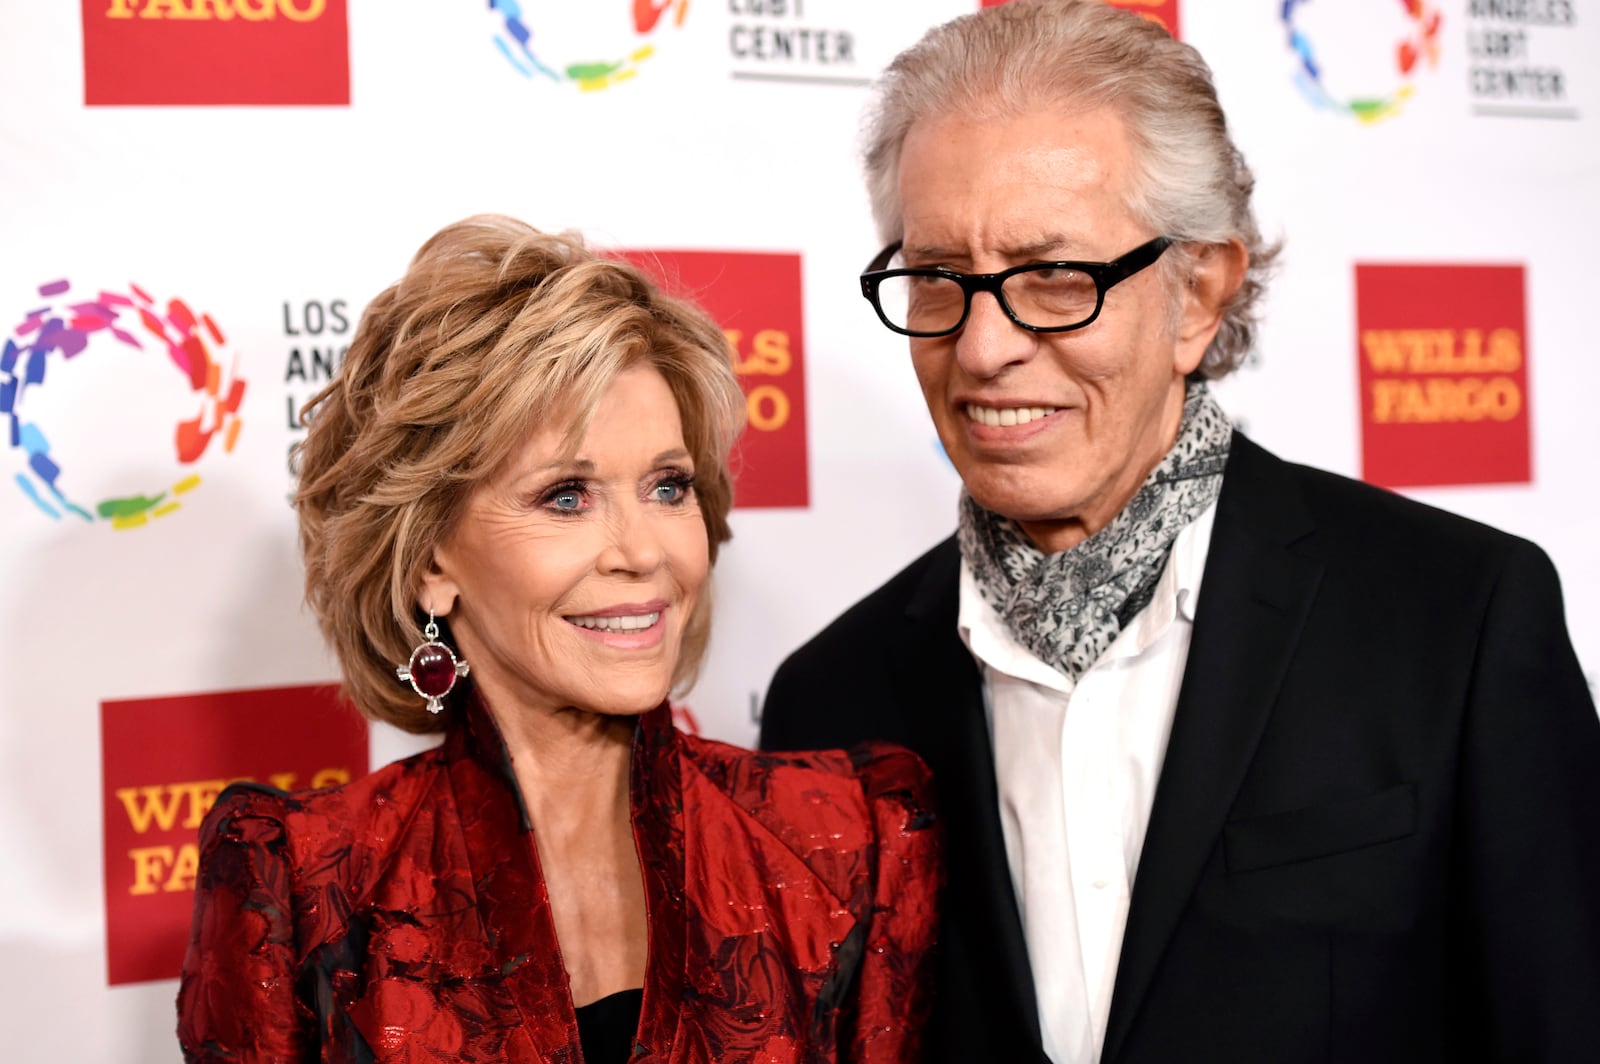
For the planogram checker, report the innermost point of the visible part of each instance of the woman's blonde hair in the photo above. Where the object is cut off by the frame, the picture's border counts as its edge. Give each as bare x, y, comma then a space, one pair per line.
494, 329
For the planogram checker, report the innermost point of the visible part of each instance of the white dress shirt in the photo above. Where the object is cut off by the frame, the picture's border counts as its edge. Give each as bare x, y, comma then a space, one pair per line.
1077, 766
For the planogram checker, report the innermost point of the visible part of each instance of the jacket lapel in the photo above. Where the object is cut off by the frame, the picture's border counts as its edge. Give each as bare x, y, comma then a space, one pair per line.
1254, 599
944, 693
656, 795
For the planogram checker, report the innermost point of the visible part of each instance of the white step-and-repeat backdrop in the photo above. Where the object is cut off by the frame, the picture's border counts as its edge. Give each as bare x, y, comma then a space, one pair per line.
198, 196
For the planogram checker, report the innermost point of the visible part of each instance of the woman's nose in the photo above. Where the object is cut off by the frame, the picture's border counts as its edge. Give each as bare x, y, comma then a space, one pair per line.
634, 545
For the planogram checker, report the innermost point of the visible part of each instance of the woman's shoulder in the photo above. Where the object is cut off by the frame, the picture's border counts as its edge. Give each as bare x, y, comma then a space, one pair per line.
882, 787
847, 815
297, 821
877, 767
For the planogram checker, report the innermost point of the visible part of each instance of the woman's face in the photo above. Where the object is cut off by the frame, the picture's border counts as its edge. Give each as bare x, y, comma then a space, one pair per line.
568, 581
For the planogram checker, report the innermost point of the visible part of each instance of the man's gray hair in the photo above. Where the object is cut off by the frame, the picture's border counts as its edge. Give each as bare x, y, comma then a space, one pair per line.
1190, 181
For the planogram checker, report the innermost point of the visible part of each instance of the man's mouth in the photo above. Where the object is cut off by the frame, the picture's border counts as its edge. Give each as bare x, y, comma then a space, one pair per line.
997, 416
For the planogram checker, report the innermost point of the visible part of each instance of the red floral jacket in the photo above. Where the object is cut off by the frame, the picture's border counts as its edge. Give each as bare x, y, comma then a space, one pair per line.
790, 899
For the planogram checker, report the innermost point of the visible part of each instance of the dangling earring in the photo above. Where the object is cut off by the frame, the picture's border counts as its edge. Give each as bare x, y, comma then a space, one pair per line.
433, 668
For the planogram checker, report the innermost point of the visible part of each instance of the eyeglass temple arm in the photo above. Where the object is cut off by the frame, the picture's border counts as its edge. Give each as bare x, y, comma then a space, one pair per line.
1137, 259
881, 260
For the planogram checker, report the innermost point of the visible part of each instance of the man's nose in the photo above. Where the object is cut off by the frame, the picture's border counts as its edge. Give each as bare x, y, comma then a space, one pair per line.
990, 341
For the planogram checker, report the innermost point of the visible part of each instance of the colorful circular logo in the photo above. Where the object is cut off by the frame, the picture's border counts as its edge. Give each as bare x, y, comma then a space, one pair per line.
591, 45
1366, 70
112, 411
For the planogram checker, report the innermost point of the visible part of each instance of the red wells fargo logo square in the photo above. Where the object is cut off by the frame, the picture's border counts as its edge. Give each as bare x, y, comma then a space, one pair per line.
1443, 355
756, 298
237, 52
164, 761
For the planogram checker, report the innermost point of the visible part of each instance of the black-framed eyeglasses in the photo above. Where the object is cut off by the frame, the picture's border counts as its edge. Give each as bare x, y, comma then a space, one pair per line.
1040, 296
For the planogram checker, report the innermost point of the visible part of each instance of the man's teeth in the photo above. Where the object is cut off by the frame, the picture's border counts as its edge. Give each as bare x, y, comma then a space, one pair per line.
1011, 415
632, 623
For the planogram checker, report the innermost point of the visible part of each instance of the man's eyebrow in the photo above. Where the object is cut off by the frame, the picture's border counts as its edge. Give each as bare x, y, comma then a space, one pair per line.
1049, 246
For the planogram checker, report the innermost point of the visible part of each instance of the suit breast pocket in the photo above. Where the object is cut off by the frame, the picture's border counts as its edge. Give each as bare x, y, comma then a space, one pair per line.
1305, 834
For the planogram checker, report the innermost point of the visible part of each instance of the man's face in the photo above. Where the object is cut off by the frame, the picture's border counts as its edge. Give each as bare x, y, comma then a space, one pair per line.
979, 196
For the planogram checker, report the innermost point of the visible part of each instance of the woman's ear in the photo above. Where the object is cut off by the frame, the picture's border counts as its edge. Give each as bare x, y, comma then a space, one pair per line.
439, 591
1216, 274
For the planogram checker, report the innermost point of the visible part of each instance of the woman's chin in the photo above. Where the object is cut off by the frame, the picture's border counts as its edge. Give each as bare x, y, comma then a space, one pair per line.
632, 702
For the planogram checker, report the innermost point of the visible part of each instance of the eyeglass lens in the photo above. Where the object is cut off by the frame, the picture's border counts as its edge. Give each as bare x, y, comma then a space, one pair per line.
1044, 298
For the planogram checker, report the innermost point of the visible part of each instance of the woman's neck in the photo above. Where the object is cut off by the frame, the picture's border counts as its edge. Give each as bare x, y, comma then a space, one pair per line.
572, 770
571, 766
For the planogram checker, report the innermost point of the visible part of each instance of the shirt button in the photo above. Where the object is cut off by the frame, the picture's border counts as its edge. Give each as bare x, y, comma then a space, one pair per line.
1101, 884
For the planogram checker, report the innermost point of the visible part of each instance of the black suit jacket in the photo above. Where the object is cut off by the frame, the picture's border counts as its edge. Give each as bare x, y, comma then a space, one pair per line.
1376, 835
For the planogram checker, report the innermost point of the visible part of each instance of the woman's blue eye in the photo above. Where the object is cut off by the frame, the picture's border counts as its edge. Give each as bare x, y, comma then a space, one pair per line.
673, 490
567, 500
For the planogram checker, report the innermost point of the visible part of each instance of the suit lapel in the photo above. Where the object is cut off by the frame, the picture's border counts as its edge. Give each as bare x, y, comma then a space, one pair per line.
944, 696
1254, 598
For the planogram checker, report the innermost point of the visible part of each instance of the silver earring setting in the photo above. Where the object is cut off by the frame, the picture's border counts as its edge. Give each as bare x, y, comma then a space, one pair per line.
433, 669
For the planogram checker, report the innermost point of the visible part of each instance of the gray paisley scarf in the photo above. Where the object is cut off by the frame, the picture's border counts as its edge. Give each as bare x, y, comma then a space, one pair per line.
1068, 607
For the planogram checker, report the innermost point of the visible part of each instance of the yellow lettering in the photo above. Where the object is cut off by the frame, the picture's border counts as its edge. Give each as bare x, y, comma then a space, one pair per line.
173, 9
312, 11
1442, 351
1383, 350
1444, 399
150, 864
1385, 397
202, 795
164, 868
149, 807
1431, 350
251, 10
1502, 399
160, 806
771, 354
767, 407
330, 777
185, 869
144, 805
1465, 400
1505, 351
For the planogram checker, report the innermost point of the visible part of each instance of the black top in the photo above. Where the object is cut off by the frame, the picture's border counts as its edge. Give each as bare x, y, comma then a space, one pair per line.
606, 1027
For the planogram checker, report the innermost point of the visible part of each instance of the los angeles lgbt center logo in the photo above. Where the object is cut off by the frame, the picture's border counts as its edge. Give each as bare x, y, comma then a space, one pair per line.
112, 401
592, 46
1361, 58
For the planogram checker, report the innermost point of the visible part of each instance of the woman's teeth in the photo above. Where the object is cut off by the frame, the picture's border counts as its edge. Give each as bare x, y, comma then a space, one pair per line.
631, 623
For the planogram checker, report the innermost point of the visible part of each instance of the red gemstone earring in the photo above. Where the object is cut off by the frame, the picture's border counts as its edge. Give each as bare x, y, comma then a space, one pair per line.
433, 668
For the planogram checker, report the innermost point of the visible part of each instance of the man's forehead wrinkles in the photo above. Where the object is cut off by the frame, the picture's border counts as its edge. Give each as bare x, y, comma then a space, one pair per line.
1045, 246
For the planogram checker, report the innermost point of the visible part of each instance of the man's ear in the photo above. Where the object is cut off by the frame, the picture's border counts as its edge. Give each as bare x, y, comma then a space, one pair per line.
439, 591
1215, 274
